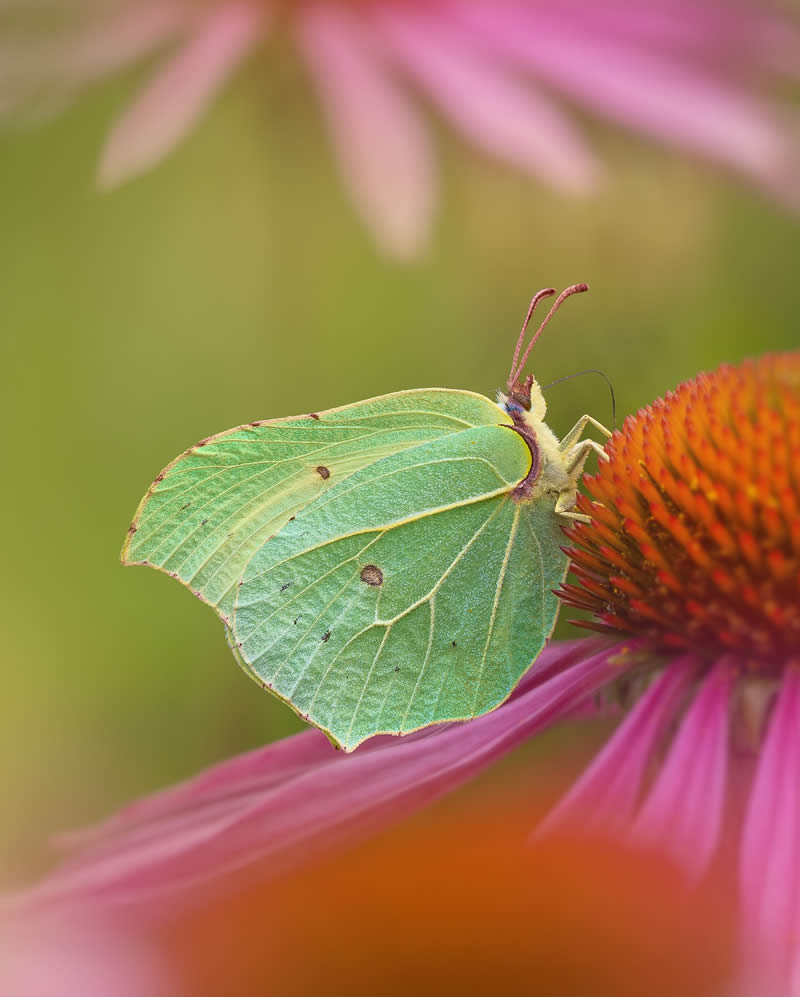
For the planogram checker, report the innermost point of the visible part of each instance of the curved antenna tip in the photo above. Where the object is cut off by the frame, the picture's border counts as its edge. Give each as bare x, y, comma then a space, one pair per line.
518, 365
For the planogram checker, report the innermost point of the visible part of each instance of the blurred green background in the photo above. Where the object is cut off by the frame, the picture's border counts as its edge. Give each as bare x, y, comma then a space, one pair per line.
235, 283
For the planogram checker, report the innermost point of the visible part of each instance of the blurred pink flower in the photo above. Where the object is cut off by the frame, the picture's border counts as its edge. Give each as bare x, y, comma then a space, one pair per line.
680, 72
690, 565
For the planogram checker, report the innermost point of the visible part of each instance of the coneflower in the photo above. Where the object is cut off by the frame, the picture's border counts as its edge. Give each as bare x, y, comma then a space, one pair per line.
690, 567
694, 548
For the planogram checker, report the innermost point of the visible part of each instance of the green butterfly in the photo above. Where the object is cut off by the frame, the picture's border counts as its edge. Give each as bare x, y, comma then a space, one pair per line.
381, 566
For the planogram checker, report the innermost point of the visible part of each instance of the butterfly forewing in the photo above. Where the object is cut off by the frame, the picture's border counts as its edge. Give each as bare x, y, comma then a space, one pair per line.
211, 509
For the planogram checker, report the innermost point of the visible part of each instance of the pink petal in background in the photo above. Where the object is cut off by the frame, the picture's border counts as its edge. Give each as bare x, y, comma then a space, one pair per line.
380, 140
657, 96
488, 104
180, 92
33, 69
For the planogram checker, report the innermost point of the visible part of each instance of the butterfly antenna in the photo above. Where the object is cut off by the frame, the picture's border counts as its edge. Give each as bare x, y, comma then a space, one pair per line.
545, 293
566, 293
591, 370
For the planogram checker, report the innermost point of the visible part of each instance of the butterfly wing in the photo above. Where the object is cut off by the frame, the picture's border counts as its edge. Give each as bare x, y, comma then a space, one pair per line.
416, 591
213, 507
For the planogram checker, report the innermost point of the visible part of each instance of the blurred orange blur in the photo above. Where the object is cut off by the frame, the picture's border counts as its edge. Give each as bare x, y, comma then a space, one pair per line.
460, 904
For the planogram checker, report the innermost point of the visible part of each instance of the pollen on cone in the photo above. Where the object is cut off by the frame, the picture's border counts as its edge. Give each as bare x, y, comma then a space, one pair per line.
695, 532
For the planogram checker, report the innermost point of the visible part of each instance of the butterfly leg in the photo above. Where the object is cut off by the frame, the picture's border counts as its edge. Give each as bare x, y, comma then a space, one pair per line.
565, 504
572, 437
575, 459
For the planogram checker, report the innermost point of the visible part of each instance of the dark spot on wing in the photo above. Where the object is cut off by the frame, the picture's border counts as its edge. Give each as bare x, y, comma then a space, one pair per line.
323, 472
397, 668
203, 523
158, 478
185, 506
132, 528
326, 636
452, 643
291, 519
255, 424
285, 586
202, 443
371, 574
296, 619
313, 415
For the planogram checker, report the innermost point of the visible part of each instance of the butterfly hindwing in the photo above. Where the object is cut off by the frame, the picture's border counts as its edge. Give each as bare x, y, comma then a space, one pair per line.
414, 592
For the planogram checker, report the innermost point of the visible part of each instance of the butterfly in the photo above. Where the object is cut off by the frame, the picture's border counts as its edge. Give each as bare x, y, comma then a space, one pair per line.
385, 565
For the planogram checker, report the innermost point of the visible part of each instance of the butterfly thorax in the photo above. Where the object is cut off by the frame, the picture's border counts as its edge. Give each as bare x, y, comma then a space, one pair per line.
548, 472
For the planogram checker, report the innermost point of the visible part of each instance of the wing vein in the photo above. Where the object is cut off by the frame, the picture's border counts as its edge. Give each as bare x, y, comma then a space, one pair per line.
445, 574
431, 627
497, 593
265, 466
366, 684
300, 592
385, 527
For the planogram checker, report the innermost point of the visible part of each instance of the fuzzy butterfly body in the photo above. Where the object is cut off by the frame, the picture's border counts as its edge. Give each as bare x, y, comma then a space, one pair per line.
381, 566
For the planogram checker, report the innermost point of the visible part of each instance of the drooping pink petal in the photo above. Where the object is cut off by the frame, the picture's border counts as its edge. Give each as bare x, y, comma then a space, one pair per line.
656, 96
770, 852
487, 103
300, 797
382, 145
606, 794
240, 777
683, 812
174, 99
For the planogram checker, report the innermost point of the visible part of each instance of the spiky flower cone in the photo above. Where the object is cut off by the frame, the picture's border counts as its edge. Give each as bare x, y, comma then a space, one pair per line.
695, 533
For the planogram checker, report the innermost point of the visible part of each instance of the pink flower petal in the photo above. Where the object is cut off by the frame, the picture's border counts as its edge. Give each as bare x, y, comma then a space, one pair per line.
770, 853
606, 794
175, 98
650, 94
486, 102
298, 798
219, 786
382, 146
683, 811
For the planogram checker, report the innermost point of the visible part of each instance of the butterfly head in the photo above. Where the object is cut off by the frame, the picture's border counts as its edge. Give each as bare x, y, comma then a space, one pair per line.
526, 395
526, 402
